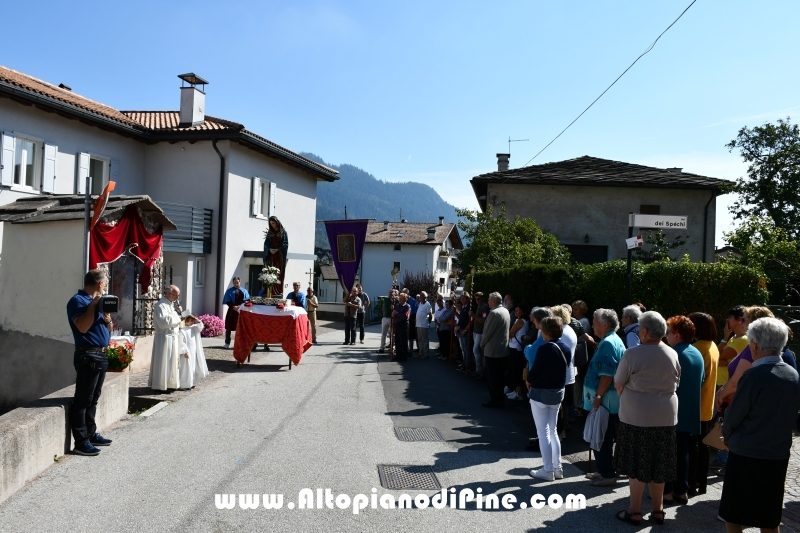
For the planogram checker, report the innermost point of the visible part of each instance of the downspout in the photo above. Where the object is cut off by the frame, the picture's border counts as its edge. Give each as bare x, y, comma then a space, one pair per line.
705, 223
219, 224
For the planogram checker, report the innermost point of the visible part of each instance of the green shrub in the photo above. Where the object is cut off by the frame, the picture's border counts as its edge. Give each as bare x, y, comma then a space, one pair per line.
671, 288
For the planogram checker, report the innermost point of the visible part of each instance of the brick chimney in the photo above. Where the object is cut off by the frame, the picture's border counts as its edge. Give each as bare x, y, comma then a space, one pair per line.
502, 162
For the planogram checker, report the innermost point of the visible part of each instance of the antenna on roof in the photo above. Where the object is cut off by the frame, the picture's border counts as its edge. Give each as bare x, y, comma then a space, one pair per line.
510, 140
401, 214
345, 212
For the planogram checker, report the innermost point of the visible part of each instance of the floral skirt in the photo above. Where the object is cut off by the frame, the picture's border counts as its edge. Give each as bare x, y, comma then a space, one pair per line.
647, 454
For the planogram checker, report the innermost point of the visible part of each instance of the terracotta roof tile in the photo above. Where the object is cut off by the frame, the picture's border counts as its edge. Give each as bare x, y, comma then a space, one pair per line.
170, 120
25, 82
412, 233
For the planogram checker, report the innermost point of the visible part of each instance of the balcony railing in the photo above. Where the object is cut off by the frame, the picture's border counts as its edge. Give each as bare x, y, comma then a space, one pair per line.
194, 228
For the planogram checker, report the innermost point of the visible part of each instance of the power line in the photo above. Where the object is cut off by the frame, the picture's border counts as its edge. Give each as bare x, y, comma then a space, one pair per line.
610, 86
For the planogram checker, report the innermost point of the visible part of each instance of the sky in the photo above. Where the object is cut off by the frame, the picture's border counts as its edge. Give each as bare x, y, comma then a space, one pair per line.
431, 91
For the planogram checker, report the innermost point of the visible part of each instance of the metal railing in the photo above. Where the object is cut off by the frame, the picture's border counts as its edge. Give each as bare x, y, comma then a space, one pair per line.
194, 228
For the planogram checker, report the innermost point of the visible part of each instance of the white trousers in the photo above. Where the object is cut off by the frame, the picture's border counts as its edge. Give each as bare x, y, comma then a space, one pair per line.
385, 325
546, 417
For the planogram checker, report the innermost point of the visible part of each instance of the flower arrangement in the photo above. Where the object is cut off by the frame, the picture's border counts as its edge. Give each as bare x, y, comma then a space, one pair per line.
270, 275
120, 355
213, 326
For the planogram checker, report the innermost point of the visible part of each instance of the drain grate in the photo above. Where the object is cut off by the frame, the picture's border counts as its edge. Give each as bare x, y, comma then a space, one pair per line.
418, 434
402, 477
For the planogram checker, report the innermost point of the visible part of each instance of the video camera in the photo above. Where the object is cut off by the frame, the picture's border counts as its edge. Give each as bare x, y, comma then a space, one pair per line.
108, 304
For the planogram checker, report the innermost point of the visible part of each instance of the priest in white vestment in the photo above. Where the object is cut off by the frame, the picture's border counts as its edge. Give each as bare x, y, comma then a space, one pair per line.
166, 342
193, 360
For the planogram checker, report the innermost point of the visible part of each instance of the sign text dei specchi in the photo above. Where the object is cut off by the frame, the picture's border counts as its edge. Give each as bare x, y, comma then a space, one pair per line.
658, 221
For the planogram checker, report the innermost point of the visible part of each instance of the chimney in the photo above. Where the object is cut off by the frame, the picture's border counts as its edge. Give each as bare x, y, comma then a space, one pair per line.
431, 233
441, 221
385, 225
502, 162
193, 100
677, 170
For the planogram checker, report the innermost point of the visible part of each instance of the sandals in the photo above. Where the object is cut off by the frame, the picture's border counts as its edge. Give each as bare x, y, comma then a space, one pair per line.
625, 516
655, 517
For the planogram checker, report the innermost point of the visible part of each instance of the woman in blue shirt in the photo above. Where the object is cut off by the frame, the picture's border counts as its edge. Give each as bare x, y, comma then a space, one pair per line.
680, 333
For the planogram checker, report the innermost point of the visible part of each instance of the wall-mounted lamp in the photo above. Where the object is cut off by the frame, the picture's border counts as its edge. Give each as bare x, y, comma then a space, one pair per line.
586, 238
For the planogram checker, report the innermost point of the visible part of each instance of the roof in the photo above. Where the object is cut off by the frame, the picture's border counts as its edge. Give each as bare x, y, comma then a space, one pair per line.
147, 126
412, 233
328, 272
596, 172
57, 207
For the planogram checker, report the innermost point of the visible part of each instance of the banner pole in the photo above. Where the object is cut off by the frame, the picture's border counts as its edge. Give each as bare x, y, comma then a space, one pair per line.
630, 262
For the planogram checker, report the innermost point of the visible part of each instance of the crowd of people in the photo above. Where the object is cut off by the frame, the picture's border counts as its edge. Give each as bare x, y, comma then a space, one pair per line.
652, 390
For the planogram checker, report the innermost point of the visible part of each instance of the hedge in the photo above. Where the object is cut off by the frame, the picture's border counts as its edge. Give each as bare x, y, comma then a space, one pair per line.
671, 288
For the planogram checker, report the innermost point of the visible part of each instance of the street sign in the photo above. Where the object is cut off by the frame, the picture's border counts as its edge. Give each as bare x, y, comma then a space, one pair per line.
658, 221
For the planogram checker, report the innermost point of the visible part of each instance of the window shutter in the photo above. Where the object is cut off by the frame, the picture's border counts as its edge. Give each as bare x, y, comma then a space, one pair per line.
49, 169
255, 207
83, 173
7, 159
272, 198
115, 170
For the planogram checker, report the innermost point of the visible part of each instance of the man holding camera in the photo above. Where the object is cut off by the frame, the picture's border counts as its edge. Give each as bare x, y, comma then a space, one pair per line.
166, 342
90, 330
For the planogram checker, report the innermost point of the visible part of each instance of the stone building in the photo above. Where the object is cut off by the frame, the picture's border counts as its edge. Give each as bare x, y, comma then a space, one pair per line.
585, 203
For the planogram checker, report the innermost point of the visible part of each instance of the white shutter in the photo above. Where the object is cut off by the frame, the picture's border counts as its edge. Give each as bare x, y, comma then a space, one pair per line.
115, 171
272, 198
83, 172
7, 159
255, 207
49, 169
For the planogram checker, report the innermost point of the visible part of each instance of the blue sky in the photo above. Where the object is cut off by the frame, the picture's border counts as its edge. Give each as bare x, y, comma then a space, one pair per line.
430, 91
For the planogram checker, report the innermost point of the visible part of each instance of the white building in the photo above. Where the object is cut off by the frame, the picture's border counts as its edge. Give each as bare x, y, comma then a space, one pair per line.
408, 247
195, 166
217, 181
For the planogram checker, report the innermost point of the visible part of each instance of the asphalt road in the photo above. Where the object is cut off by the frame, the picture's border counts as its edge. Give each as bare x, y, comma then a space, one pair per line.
326, 424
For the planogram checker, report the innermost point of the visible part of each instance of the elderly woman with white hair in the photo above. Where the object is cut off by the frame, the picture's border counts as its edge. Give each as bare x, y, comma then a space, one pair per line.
598, 390
630, 325
758, 432
647, 381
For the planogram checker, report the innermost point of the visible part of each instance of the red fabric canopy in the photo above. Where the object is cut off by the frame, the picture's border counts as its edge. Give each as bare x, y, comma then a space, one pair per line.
108, 243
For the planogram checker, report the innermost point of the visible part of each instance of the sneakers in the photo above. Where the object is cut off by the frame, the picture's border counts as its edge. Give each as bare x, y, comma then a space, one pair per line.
558, 473
227, 346
86, 449
543, 474
593, 475
603, 482
99, 440
506, 390
362, 341
513, 396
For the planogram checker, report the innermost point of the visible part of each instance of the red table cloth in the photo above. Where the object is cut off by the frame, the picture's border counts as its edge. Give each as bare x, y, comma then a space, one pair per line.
293, 334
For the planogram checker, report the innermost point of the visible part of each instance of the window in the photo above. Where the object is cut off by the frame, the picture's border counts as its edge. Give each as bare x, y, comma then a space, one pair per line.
26, 156
442, 265
263, 198
397, 247
98, 171
199, 271
649, 209
396, 266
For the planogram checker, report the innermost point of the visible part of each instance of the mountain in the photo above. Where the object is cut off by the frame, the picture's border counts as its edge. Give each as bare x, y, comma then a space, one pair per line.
368, 197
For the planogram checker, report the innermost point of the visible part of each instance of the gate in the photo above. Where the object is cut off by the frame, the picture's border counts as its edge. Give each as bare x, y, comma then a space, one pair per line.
143, 303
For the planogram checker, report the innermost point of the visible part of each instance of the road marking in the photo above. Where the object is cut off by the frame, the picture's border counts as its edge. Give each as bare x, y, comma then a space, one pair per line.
153, 410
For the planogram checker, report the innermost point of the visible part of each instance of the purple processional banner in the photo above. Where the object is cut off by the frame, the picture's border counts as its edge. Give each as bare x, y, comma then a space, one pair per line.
346, 238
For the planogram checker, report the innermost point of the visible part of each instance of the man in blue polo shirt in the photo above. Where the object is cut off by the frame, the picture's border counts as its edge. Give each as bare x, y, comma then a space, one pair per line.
90, 331
297, 296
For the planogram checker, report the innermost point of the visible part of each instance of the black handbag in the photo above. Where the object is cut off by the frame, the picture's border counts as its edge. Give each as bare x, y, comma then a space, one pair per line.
581, 353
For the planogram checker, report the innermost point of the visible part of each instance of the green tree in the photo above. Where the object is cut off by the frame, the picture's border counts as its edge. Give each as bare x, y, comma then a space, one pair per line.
772, 185
770, 249
658, 247
496, 242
